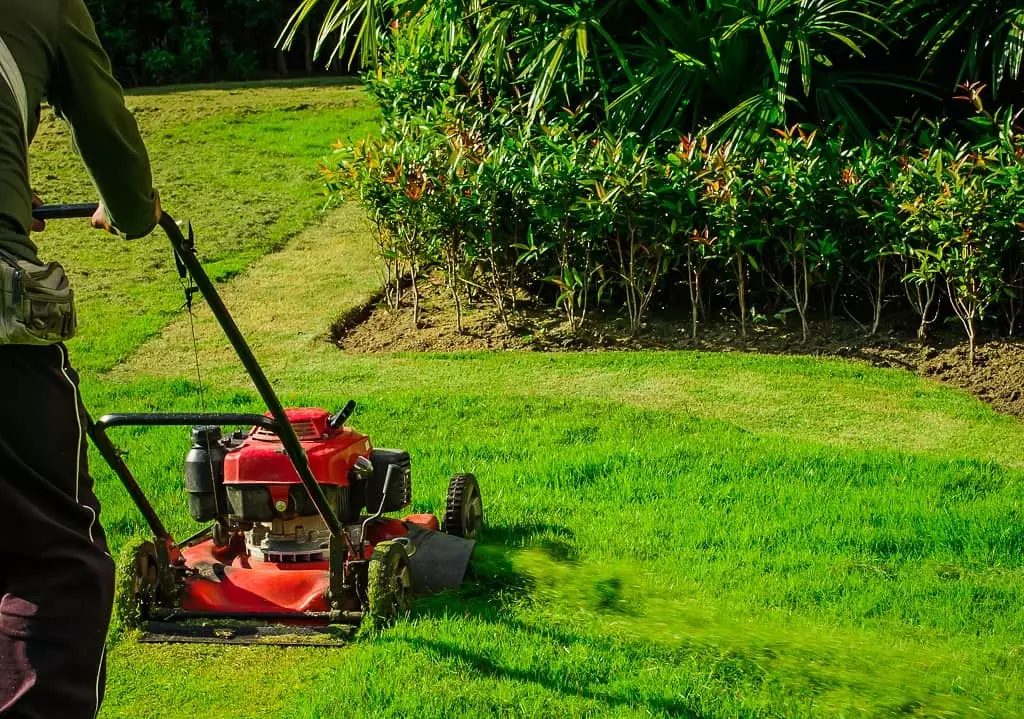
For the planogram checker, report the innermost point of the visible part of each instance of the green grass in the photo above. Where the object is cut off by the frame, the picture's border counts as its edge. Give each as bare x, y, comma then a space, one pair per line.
670, 534
657, 560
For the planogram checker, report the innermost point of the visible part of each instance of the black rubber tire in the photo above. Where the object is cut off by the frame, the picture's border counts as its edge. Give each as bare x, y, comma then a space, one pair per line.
464, 509
137, 585
388, 584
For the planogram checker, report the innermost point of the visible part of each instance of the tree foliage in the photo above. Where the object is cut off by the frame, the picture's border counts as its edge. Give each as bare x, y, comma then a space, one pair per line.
737, 67
165, 41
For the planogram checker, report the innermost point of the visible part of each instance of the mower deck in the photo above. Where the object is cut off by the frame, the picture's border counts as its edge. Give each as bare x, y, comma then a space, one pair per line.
228, 582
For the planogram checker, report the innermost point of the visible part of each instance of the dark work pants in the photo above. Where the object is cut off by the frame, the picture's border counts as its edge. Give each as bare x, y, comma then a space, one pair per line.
56, 575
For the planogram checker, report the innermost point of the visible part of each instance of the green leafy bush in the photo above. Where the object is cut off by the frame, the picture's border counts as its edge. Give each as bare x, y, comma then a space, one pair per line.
799, 223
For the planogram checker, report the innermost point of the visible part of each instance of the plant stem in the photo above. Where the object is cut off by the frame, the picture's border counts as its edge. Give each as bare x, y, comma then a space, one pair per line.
415, 296
693, 285
741, 282
879, 295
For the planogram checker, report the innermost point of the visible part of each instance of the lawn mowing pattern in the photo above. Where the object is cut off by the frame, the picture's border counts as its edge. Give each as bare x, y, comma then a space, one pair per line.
671, 534
240, 163
284, 305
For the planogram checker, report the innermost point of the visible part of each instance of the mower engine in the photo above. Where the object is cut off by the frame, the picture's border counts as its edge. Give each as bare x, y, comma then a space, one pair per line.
263, 492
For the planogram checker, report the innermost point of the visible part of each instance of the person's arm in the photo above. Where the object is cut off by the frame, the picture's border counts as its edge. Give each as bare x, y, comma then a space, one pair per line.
105, 132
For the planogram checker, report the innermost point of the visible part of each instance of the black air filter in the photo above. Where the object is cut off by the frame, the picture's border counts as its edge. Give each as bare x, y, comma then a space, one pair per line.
400, 488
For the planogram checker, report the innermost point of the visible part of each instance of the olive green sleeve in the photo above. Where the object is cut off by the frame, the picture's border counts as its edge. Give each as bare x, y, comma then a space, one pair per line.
105, 133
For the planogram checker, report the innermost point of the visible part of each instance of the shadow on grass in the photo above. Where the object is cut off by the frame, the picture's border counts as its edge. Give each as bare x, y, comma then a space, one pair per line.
489, 596
550, 678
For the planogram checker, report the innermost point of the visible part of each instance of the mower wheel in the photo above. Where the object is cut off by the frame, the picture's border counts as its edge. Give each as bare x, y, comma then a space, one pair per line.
464, 509
137, 584
389, 583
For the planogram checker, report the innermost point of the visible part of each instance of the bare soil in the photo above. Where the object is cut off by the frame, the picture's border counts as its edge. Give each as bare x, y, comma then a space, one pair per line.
997, 376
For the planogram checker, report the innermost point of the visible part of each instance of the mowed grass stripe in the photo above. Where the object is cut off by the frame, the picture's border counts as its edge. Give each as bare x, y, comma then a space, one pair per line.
238, 162
284, 305
840, 403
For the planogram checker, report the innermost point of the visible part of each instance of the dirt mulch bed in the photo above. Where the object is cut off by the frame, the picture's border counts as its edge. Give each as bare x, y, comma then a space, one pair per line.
997, 377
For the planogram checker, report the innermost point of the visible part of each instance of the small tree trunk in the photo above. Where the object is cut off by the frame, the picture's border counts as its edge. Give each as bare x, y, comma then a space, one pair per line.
1012, 307
798, 261
390, 275
624, 273
585, 290
574, 312
833, 292
568, 297
922, 299
970, 341
453, 285
458, 309
634, 323
968, 310
693, 286
742, 284
879, 293
644, 295
499, 290
694, 328
398, 284
1010, 310
807, 295
415, 296
451, 255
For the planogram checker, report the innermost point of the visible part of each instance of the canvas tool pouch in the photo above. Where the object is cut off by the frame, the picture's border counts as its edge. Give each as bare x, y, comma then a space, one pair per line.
37, 304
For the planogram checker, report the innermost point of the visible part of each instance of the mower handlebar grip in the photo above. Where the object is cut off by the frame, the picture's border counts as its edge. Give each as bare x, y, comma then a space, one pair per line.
184, 419
64, 212
84, 210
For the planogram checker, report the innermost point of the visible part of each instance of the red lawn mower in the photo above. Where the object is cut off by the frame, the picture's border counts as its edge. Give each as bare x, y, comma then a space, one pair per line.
295, 505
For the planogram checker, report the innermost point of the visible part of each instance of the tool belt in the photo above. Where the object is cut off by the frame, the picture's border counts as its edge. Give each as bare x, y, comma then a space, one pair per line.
37, 304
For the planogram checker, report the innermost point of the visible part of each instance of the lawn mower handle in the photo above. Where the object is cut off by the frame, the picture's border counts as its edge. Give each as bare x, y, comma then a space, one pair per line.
64, 212
185, 253
185, 419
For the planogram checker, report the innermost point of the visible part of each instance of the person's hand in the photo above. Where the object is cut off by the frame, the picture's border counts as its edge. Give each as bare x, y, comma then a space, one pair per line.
100, 221
37, 225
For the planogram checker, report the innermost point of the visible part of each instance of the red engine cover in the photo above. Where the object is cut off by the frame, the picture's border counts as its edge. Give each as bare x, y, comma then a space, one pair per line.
261, 458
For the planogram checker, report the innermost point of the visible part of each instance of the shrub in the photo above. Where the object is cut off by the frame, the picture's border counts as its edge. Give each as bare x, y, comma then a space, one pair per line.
800, 222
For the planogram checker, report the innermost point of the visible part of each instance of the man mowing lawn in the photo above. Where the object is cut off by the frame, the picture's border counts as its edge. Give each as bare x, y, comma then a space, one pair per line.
57, 578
